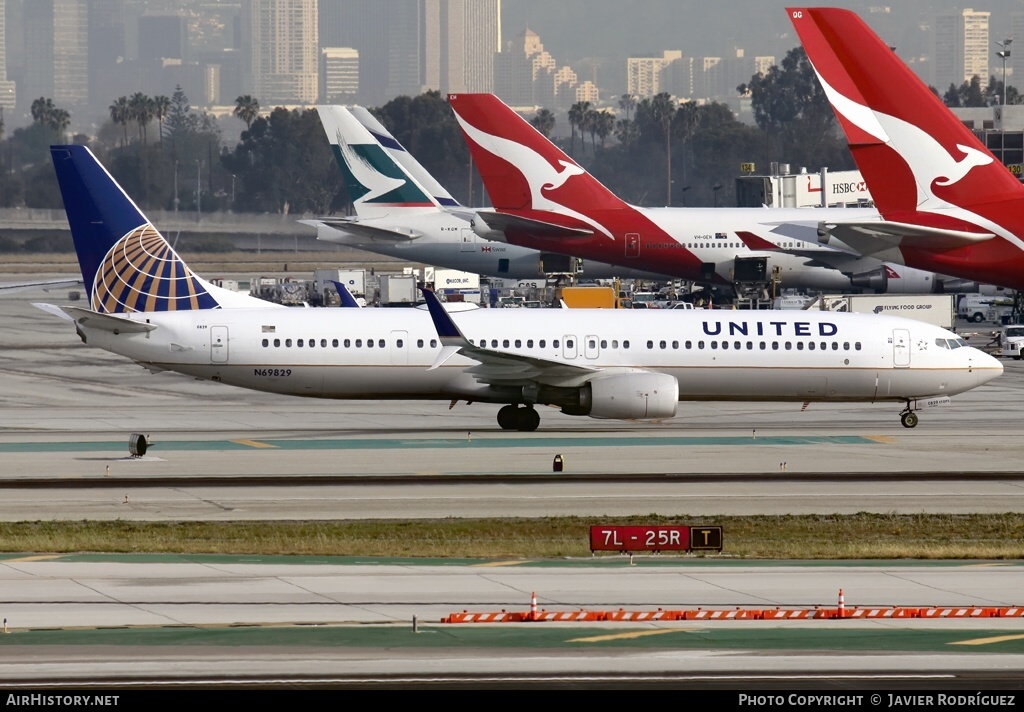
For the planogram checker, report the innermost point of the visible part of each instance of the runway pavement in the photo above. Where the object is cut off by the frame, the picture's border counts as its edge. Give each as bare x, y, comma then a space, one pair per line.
67, 411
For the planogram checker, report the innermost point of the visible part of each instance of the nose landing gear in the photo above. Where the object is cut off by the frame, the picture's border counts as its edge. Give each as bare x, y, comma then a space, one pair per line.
908, 417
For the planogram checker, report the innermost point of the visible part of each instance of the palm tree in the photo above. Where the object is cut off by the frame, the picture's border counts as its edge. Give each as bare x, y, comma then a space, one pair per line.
662, 112
577, 112
247, 109
59, 121
604, 125
119, 114
590, 120
627, 102
161, 108
626, 131
42, 109
544, 122
140, 108
686, 120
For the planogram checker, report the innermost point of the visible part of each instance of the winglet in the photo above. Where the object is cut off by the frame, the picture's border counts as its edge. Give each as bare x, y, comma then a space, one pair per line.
347, 300
452, 340
446, 329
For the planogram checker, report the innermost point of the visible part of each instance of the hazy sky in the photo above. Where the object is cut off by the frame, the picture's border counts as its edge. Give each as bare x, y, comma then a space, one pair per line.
573, 29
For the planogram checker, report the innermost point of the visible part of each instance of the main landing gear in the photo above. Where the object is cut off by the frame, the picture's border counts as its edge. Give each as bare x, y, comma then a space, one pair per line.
512, 417
908, 417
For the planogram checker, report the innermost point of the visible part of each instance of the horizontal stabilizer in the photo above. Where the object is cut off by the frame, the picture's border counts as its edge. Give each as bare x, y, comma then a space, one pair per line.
53, 310
107, 322
370, 232
538, 228
875, 237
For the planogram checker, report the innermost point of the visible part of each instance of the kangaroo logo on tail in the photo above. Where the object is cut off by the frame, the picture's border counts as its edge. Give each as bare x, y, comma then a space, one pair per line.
927, 159
539, 174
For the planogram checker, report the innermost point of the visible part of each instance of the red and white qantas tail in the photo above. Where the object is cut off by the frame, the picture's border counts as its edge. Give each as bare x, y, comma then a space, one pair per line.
522, 169
948, 204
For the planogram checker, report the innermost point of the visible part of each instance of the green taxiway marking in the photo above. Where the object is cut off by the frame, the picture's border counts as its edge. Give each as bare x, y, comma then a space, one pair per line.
476, 442
511, 635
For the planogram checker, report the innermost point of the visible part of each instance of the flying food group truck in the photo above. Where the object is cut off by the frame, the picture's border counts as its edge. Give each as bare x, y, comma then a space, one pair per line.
937, 309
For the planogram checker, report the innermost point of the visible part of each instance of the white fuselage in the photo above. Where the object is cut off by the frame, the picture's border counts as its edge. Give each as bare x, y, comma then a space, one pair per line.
713, 354
446, 240
711, 235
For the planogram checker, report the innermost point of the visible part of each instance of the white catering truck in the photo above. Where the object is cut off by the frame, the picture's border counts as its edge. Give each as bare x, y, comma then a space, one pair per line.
935, 309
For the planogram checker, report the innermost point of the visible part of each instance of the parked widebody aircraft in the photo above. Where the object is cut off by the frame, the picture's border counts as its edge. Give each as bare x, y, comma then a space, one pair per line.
545, 200
403, 212
948, 204
147, 305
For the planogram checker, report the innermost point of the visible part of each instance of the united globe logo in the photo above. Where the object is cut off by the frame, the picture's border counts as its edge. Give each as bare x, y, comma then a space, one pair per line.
142, 273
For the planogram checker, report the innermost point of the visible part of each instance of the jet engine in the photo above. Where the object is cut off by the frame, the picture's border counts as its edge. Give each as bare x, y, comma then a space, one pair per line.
640, 395
895, 279
484, 231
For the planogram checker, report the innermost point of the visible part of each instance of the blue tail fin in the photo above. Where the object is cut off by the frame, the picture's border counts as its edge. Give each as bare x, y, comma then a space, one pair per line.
126, 263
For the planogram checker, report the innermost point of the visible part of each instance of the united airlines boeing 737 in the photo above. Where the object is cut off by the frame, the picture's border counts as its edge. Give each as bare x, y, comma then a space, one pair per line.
144, 303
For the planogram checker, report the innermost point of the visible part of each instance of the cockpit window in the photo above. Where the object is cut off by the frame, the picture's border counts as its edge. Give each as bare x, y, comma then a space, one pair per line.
941, 343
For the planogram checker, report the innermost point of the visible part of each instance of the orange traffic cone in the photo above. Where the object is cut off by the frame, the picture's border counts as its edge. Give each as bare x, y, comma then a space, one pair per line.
533, 606
842, 605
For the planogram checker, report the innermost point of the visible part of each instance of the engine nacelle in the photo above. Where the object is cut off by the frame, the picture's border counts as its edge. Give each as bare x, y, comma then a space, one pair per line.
641, 395
484, 231
896, 279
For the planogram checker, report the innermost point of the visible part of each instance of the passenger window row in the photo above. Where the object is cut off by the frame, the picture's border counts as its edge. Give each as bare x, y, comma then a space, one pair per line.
344, 343
761, 345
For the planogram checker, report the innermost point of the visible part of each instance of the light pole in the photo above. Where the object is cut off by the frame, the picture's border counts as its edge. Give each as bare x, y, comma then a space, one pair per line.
714, 189
199, 189
1003, 54
232, 191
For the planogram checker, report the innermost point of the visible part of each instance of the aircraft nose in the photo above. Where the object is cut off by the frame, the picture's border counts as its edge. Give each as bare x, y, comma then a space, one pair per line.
986, 366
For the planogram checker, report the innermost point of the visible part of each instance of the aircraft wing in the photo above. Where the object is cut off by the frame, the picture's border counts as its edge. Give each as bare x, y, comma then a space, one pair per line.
503, 221
876, 237
498, 367
816, 256
364, 230
46, 284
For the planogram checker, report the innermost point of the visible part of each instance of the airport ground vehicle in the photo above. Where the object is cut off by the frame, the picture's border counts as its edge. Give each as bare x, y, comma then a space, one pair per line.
934, 309
980, 307
1011, 341
589, 297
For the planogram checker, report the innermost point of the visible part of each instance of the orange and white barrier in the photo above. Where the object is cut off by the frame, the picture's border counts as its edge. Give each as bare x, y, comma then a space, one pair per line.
622, 615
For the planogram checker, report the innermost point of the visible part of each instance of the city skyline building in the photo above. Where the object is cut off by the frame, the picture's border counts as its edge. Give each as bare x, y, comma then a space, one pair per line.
56, 53
648, 75
960, 48
8, 94
281, 49
340, 75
